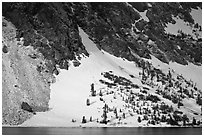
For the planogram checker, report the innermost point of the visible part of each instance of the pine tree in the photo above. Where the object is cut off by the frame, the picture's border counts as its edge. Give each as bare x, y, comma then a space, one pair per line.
101, 99
169, 74
116, 113
198, 123
163, 118
178, 104
199, 100
145, 117
194, 121
87, 102
106, 107
100, 93
73, 120
91, 119
92, 87
171, 108
83, 119
185, 119
93, 92
120, 110
139, 119
104, 117
124, 115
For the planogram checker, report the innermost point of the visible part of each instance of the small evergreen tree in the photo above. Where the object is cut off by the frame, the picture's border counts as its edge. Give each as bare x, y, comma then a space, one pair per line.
124, 115
194, 121
88, 102
199, 100
101, 99
169, 75
139, 119
145, 117
106, 107
116, 113
100, 93
120, 110
92, 87
73, 120
198, 123
172, 121
104, 117
171, 108
83, 119
91, 119
93, 92
163, 118
185, 119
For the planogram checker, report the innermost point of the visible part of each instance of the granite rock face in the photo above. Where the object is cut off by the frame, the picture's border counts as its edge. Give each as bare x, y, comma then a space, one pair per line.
21, 79
49, 37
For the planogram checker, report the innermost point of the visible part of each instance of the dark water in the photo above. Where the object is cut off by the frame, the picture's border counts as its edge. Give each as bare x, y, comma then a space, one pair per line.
100, 131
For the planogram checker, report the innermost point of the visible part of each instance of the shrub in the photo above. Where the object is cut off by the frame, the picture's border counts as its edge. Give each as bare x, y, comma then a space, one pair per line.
141, 97
5, 49
153, 98
144, 91
175, 100
177, 117
163, 118
166, 96
145, 117
171, 121
180, 104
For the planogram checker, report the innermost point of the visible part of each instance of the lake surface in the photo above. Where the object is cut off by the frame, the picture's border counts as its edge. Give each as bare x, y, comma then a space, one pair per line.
100, 131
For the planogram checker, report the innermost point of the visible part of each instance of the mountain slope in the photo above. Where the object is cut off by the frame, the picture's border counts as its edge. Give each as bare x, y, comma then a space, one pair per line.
72, 89
118, 47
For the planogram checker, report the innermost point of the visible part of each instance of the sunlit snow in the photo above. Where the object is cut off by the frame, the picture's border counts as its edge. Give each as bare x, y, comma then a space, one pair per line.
142, 14
181, 25
197, 15
189, 71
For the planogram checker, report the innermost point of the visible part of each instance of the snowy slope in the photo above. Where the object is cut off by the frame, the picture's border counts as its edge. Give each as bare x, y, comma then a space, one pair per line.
190, 71
72, 89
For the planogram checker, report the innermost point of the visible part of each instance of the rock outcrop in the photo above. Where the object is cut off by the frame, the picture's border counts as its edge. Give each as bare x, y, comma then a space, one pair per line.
21, 80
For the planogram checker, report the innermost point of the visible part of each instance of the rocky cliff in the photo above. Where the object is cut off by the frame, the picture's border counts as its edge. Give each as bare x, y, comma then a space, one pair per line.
25, 78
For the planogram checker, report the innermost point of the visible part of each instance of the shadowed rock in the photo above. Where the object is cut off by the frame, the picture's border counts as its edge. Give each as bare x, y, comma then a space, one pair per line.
25, 106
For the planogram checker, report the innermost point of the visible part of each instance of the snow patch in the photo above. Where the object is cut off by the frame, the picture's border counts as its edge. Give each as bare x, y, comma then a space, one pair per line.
183, 26
197, 15
144, 15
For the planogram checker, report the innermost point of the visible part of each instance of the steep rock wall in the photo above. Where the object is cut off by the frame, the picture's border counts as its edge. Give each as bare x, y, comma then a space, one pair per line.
21, 79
